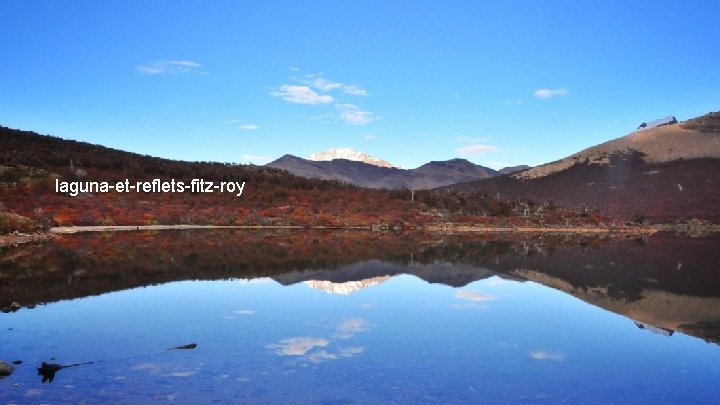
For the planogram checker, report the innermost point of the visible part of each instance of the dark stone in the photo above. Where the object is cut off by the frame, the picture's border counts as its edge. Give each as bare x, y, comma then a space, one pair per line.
185, 347
47, 371
5, 369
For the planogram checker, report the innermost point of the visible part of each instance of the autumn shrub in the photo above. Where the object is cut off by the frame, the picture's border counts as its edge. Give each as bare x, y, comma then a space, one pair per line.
10, 222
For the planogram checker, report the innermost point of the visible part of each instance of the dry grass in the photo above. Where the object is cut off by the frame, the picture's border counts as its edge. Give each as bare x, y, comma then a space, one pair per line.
661, 144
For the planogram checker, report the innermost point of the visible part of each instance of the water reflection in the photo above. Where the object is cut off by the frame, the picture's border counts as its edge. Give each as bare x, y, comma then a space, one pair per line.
363, 318
664, 282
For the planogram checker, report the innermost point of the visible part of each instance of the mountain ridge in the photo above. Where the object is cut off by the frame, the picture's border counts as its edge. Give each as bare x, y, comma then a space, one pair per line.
430, 175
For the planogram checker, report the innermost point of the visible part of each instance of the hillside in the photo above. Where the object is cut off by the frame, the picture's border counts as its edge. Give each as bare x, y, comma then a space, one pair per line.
33, 165
656, 145
30, 164
659, 174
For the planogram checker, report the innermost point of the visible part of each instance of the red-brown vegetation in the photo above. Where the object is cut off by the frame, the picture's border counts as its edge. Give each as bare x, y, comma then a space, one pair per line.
31, 163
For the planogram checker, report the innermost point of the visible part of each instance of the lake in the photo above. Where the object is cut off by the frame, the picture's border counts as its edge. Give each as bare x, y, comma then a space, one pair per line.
360, 318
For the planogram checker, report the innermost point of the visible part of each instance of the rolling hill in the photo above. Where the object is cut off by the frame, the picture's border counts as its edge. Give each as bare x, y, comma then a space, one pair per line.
665, 173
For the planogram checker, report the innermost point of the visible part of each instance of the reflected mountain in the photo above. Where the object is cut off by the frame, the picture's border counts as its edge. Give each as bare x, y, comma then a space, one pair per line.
347, 287
664, 283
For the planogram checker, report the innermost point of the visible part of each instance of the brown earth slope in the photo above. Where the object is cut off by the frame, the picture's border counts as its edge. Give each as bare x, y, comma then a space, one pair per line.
660, 174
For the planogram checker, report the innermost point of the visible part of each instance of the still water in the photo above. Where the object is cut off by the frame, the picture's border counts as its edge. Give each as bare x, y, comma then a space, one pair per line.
351, 320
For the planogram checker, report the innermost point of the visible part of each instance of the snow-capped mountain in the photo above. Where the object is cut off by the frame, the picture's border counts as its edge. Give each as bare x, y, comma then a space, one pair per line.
349, 154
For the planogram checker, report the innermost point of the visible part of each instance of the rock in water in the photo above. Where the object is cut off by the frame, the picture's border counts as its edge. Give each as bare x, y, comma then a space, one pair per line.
5, 369
185, 347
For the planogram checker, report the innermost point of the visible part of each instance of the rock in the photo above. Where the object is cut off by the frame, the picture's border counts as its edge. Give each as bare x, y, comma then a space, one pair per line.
185, 347
5, 369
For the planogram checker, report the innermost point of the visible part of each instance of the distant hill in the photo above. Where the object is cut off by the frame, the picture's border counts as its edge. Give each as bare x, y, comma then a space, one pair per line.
430, 175
662, 173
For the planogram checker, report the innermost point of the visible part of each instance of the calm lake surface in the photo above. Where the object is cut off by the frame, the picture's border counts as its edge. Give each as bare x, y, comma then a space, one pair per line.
355, 318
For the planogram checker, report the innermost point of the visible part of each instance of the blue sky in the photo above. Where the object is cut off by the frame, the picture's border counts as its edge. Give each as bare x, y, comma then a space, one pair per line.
499, 83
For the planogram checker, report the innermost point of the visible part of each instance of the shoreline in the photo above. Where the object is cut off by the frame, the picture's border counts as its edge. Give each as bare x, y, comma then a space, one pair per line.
579, 230
118, 228
445, 228
17, 238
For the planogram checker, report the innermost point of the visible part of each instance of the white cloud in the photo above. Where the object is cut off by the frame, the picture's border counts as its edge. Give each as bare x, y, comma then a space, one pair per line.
351, 327
244, 312
170, 67
370, 137
248, 127
325, 84
543, 355
473, 296
476, 149
294, 68
354, 90
256, 159
516, 102
353, 115
297, 346
550, 93
301, 95
314, 89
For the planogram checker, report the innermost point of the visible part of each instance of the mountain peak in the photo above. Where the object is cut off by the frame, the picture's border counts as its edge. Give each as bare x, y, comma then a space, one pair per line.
349, 154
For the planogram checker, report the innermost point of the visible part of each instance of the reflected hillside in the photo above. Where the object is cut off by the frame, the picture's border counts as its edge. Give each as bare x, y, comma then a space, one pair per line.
664, 282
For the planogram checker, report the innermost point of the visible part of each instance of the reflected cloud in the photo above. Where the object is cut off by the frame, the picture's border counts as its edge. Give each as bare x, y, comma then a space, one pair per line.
543, 355
473, 296
151, 367
351, 351
351, 327
181, 374
323, 355
297, 346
